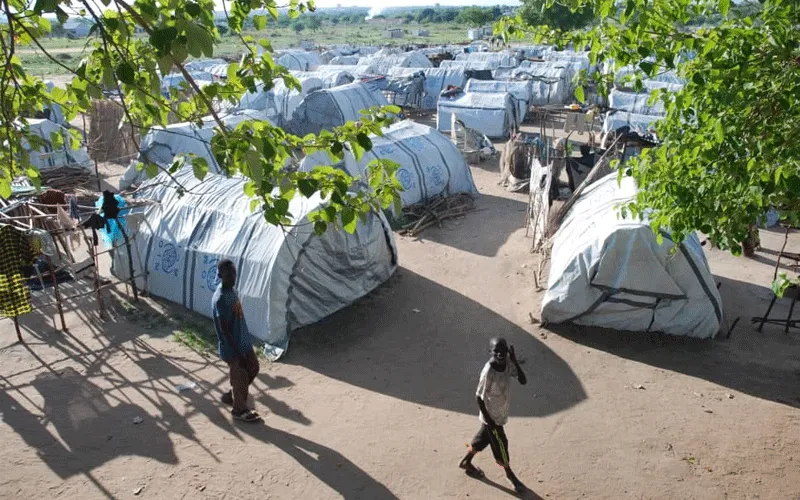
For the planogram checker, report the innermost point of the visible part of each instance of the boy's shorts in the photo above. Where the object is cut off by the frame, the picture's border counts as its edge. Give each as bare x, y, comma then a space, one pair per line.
496, 439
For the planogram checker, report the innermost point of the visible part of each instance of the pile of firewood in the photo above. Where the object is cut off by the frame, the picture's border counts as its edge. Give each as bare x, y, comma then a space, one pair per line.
434, 211
65, 178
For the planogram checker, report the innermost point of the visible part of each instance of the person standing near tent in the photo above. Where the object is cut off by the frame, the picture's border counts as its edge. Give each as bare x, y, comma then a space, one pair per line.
493, 401
235, 346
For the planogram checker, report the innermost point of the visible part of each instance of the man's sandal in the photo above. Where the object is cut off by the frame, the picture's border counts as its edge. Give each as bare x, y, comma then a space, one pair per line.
471, 470
248, 416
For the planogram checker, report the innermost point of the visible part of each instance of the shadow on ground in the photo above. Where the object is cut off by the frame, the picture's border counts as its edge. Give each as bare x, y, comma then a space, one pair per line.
484, 230
765, 365
432, 357
78, 410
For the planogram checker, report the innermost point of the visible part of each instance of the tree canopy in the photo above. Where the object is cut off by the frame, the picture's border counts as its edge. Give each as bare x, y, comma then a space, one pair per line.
537, 12
128, 66
729, 139
476, 16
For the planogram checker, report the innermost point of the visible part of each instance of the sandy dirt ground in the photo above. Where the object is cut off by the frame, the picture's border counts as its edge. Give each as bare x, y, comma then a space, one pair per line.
377, 401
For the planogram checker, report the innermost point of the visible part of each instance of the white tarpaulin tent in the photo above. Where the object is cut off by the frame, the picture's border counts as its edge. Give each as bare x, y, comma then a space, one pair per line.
641, 124
494, 60
436, 80
331, 76
52, 156
430, 164
299, 60
162, 144
611, 272
279, 102
358, 72
637, 103
551, 81
329, 108
521, 90
473, 65
287, 277
494, 115
383, 63
344, 61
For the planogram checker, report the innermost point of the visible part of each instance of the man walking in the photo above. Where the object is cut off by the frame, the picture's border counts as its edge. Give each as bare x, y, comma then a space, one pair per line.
235, 346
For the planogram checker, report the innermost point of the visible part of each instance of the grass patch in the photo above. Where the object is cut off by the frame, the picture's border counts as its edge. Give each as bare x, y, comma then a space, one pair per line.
200, 339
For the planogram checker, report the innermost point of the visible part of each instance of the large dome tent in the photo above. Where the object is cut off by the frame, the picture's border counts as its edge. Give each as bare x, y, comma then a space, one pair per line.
430, 164
329, 108
611, 272
162, 144
287, 277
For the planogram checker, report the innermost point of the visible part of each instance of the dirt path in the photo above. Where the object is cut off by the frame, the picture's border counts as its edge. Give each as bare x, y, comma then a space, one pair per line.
376, 402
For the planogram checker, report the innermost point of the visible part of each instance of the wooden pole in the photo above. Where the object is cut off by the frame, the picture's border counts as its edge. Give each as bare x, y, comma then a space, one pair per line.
130, 260
16, 327
56, 292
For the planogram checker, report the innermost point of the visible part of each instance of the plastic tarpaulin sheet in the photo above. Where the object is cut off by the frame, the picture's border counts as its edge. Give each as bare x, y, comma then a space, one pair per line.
494, 59
383, 63
176, 80
203, 64
430, 164
49, 156
611, 272
551, 81
329, 108
161, 145
494, 115
344, 61
405, 91
521, 90
280, 102
287, 278
641, 124
635, 103
474, 65
358, 72
330, 77
299, 60
436, 80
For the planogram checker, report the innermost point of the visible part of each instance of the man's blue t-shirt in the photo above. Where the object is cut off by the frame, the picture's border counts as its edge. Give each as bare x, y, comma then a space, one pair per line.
226, 307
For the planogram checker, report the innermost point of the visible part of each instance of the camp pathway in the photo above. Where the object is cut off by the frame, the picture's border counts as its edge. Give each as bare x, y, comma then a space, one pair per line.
377, 401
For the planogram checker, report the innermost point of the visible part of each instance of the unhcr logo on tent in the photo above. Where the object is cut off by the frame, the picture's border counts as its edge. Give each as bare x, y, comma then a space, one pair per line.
167, 260
210, 275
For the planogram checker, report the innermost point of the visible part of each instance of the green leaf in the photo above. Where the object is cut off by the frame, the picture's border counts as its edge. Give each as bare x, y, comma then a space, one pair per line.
45, 6
698, 79
260, 22
724, 5
307, 187
647, 67
199, 167
579, 95
319, 226
273, 12
395, 110
719, 133
193, 9
364, 141
249, 189
125, 73
349, 220
151, 169
162, 38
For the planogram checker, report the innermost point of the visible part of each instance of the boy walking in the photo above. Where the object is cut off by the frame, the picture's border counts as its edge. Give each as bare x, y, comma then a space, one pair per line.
493, 402
235, 346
